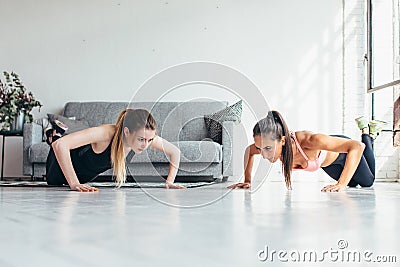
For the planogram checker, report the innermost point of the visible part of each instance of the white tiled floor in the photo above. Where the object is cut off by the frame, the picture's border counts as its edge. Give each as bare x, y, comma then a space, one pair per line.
213, 226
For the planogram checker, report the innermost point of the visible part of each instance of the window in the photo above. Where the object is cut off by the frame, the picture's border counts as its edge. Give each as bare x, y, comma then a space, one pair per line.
383, 44
383, 59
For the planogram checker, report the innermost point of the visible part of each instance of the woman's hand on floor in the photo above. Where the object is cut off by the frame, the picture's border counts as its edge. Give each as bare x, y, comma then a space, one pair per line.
333, 188
83, 188
240, 185
169, 185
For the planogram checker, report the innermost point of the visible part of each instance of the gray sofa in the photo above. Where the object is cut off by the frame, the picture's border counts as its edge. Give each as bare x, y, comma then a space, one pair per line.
181, 123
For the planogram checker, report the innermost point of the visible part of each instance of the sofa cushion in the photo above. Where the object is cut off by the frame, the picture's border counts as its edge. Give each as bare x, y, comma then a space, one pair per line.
193, 129
191, 151
38, 152
176, 121
213, 121
95, 113
181, 121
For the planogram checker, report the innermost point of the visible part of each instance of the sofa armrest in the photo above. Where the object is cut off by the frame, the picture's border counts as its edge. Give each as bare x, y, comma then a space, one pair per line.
227, 148
33, 134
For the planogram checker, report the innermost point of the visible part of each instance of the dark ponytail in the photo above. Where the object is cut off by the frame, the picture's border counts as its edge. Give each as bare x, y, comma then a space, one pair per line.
274, 126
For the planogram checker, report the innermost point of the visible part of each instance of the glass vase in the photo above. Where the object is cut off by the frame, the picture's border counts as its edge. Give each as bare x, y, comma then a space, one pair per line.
18, 123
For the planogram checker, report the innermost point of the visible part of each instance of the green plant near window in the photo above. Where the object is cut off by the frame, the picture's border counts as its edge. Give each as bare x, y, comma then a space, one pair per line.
15, 100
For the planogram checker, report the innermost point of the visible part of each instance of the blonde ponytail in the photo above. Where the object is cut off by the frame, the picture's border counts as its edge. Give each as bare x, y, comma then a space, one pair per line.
133, 119
117, 151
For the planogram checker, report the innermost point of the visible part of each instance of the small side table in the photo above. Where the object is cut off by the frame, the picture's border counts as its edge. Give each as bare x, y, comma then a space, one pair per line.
5, 134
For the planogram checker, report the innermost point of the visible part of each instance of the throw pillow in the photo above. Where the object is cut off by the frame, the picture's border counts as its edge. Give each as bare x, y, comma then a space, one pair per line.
73, 125
214, 121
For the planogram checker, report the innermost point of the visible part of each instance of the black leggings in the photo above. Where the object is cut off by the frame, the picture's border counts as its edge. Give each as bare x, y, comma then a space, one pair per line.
365, 173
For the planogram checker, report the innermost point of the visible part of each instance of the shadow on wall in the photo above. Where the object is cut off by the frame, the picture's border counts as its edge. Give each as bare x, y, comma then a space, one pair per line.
387, 155
299, 90
396, 119
311, 87
387, 159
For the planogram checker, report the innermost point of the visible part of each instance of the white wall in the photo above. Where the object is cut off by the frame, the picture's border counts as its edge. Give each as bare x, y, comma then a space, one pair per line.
104, 50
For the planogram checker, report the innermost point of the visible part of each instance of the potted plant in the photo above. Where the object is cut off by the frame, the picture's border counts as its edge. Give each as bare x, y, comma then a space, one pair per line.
16, 103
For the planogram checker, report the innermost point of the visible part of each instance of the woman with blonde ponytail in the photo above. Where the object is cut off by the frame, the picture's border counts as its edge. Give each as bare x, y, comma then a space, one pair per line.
79, 157
349, 162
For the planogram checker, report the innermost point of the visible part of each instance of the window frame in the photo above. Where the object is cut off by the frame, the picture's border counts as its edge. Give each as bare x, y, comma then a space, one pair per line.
368, 56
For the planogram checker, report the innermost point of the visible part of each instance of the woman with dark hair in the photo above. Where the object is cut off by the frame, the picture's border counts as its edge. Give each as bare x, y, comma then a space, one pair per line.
349, 162
79, 157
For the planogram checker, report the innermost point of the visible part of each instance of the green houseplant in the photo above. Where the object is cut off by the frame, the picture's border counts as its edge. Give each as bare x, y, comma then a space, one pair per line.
15, 100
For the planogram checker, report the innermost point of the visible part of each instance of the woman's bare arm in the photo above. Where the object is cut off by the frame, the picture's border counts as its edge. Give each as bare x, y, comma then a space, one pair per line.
248, 160
353, 148
62, 147
173, 153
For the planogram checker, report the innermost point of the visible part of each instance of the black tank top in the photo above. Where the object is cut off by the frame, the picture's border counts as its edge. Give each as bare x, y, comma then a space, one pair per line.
88, 164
